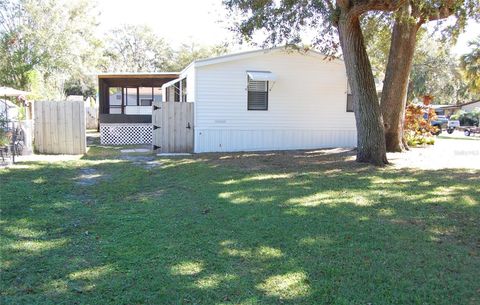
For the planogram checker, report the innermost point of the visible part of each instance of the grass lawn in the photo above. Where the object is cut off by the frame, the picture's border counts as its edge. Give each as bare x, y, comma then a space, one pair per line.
283, 228
459, 137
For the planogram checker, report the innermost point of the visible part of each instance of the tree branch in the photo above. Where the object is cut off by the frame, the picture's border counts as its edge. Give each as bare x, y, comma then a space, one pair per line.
445, 10
363, 6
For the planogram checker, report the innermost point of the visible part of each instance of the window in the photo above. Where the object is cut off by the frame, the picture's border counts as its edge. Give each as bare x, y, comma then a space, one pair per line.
349, 99
257, 95
172, 93
184, 90
176, 92
349, 102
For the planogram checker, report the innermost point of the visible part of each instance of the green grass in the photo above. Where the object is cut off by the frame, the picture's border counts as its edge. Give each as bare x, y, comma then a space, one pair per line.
455, 137
285, 228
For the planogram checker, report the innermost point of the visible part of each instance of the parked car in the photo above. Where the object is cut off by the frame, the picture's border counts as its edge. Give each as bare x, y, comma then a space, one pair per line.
451, 125
440, 122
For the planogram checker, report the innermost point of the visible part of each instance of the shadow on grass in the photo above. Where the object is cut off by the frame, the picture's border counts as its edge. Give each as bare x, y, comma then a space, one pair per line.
291, 228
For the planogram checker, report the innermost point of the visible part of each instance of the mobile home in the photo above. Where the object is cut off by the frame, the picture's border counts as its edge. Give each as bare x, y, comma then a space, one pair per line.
274, 99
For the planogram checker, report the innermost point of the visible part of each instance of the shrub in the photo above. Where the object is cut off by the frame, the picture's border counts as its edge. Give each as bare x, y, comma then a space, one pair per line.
4, 139
418, 127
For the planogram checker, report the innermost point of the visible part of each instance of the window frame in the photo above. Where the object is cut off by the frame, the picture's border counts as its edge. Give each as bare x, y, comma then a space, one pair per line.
266, 95
183, 93
349, 98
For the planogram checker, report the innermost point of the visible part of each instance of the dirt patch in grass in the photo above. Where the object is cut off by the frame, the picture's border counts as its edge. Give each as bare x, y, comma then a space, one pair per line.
284, 160
88, 176
145, 161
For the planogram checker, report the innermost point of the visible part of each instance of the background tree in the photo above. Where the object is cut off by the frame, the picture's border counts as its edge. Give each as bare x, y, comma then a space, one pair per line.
436, 72
136, 48
189, 52
406, 23
470, 64
44, 42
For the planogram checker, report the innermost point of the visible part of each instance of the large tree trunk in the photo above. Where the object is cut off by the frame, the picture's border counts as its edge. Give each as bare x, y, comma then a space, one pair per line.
370, 133
395, 85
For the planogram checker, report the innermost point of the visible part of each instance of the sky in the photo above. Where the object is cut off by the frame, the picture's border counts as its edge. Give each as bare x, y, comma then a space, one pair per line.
201, 21
178, 21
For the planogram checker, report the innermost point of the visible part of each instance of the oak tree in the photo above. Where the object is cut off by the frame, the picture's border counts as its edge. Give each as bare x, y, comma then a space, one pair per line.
337, 24
412, 15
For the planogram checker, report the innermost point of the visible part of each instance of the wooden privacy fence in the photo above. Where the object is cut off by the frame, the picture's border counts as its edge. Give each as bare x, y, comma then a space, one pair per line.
172, 127
60, 127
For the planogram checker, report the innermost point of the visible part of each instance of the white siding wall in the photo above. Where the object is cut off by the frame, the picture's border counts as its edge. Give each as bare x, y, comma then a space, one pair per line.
306, 106
190, 73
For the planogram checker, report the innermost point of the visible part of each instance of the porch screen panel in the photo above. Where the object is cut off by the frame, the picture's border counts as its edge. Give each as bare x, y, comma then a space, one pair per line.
157, 94
131, 96
115, 100
145, 96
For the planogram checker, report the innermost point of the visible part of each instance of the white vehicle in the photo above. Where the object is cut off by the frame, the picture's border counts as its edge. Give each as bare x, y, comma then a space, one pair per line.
451, 125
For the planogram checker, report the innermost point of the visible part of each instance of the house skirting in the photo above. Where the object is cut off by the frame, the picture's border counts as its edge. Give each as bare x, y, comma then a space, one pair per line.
227, 140
125, 133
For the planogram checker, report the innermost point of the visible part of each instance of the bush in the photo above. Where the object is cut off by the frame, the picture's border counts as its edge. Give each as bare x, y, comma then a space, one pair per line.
418, 125
4, 139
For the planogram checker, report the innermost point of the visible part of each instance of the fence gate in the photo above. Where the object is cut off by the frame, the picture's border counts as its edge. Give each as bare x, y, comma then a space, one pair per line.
60, 127
172, 127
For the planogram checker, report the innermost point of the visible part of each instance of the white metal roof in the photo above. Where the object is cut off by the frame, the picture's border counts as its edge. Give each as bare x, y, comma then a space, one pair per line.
241, 55
261, 75
137, 73
167, 84
247, 54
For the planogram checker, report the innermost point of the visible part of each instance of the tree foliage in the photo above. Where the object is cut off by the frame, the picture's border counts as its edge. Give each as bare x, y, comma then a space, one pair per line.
418, 124
136, 48
436, 72
53, 48
470, 65
44, 39
189, 52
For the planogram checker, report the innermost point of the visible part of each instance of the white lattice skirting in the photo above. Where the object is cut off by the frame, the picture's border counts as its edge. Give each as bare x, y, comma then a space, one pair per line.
125, 134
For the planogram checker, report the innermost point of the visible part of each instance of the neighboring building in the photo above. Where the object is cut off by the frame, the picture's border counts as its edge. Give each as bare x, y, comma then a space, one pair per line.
8, 110
259, 100
448, 110
470, 106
